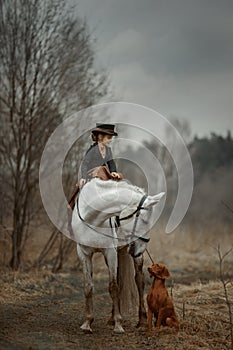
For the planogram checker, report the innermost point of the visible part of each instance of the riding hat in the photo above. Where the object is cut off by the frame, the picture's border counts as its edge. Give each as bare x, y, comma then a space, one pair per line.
107, 129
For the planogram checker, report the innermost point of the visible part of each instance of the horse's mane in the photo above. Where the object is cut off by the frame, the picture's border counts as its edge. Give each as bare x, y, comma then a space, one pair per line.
123, 183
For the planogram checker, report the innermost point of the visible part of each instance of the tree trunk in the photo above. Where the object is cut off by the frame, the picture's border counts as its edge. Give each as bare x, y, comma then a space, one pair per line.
16, 248
17, 232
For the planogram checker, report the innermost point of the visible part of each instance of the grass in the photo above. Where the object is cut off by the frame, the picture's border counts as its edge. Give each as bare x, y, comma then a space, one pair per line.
44, 310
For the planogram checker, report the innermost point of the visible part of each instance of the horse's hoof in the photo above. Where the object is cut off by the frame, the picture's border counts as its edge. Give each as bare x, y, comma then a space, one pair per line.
86, 329
118, 330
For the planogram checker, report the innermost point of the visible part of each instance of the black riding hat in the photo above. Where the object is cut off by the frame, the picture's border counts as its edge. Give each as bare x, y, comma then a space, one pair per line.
107, 129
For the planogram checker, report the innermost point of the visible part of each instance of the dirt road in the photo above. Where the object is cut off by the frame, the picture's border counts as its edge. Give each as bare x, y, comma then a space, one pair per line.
41, 311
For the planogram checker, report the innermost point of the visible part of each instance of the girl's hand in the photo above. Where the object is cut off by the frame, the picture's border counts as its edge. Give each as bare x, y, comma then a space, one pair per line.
115, 175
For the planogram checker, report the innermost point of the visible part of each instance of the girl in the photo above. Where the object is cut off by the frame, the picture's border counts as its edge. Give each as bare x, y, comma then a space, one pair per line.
99, 152
97, 155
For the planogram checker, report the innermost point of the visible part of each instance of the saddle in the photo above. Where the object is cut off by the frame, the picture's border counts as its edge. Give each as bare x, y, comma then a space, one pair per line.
102, 173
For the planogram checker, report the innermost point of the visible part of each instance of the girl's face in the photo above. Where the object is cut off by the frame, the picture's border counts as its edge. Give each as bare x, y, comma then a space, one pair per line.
105, 139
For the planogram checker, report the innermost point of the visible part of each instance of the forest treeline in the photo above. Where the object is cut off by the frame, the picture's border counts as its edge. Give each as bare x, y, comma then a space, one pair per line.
211, 154
212, 160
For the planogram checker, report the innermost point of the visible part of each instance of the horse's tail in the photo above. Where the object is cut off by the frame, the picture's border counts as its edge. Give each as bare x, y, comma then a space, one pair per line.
127, 286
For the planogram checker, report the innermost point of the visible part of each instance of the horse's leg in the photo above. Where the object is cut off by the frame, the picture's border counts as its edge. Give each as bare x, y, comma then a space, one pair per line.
140, 282
110, 255
86, 258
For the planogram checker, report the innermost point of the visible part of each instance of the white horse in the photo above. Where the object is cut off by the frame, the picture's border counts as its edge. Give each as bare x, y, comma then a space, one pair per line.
95, 229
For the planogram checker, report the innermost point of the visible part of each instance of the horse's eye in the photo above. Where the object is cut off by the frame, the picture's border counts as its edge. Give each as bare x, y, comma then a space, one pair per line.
145, 221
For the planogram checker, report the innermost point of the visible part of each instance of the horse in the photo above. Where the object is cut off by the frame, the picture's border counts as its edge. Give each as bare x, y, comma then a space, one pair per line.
107, 216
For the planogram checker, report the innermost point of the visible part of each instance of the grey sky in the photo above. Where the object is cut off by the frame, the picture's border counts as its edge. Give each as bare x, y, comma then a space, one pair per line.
175, 56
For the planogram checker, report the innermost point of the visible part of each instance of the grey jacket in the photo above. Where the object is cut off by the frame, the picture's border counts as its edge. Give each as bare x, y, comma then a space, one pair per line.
93, 158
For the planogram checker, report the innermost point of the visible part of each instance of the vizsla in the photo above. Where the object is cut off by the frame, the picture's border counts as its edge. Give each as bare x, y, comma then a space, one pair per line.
159, 303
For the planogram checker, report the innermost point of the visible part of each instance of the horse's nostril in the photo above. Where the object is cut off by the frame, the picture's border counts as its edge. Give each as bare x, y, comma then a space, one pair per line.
131, 248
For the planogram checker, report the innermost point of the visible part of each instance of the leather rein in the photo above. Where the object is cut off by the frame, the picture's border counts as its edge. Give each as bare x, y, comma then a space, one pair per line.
137, 211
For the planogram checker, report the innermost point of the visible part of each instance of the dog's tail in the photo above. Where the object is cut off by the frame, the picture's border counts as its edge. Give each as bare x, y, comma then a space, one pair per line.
127, 286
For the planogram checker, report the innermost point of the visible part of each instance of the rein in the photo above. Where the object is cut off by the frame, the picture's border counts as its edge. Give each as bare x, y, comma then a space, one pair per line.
118, 220
137, 212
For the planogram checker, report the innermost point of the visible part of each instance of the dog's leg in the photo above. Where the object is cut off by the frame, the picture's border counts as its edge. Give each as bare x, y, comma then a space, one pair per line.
172, 323
159, 319
140, 282
150, 317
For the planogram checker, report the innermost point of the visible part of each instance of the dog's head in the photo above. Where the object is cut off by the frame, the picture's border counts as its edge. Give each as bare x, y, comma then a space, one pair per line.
159, 271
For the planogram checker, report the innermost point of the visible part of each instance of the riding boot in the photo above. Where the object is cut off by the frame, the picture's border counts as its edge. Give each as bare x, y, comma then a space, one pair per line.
70, 208
73, 196
69, 219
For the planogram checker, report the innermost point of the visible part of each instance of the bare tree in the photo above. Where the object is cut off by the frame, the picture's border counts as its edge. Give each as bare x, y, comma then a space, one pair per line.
47, 68
225, 284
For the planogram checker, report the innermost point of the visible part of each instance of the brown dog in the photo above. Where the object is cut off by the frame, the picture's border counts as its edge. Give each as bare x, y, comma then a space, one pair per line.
159, 303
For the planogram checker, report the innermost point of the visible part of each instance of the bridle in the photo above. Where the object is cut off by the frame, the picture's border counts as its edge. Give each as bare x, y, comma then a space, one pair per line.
137, 211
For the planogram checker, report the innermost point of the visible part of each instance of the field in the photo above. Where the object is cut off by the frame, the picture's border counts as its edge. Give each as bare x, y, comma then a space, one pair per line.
42, 310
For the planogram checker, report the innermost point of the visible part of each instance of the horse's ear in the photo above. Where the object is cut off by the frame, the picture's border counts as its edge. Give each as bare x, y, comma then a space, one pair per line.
152, 200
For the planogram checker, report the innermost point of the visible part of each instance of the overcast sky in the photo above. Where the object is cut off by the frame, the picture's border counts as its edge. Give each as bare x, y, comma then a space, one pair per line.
175, 56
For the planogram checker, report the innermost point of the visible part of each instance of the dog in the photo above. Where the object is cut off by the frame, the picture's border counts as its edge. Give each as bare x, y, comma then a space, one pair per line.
159, 303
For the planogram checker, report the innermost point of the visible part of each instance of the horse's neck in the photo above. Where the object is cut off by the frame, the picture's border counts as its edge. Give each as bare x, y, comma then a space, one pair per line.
105, 200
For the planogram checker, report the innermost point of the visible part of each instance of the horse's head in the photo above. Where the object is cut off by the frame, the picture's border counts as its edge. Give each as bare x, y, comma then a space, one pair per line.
140, 235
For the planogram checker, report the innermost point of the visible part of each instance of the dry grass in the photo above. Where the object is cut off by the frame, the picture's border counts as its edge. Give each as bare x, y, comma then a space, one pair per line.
190, 248
42, 310
52, 305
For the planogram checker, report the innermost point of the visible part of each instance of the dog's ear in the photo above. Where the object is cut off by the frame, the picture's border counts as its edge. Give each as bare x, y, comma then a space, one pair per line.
150, 272
164, 273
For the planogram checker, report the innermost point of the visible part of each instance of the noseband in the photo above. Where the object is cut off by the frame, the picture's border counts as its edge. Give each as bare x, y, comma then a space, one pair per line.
137, 211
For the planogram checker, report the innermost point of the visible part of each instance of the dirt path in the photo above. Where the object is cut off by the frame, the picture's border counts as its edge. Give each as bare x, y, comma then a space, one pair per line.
44, 311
